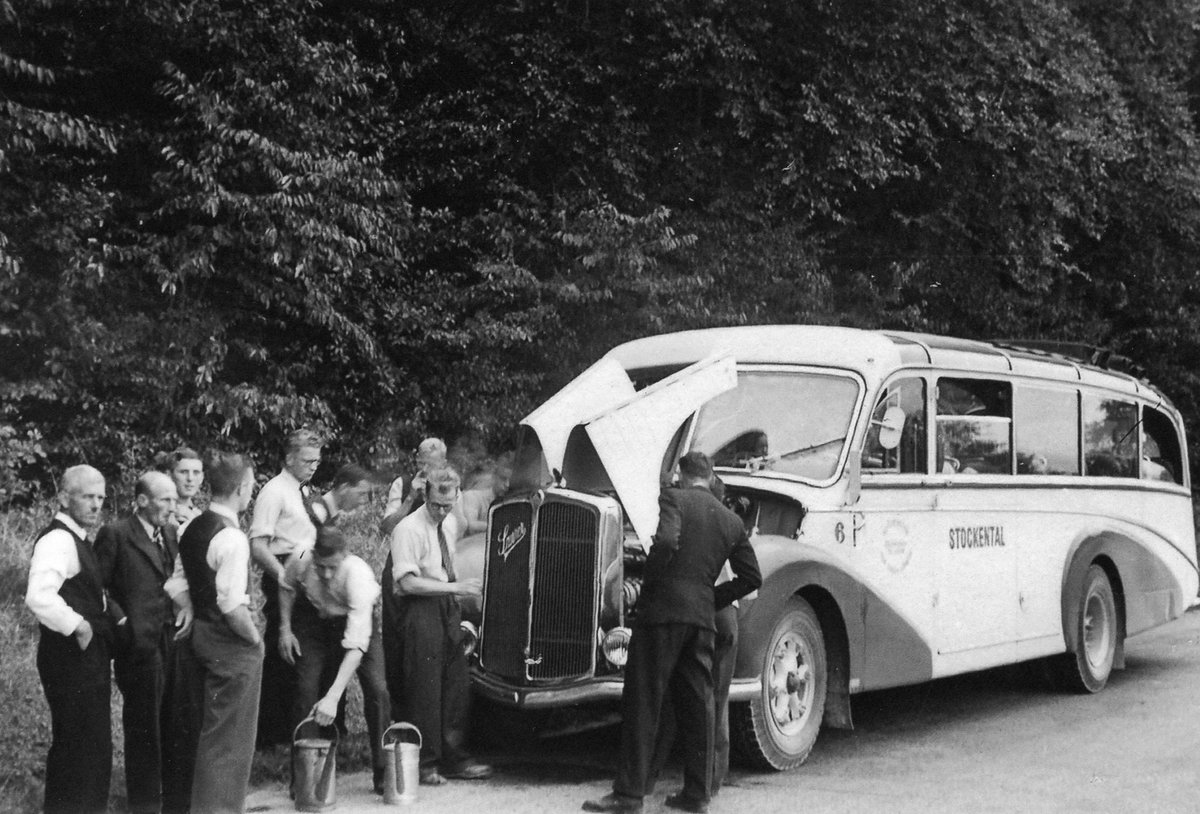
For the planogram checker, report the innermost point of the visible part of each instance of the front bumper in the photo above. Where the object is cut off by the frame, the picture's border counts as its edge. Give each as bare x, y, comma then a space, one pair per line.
607, 688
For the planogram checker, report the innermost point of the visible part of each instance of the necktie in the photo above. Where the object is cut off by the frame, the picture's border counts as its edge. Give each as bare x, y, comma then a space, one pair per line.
162, 550
447, 562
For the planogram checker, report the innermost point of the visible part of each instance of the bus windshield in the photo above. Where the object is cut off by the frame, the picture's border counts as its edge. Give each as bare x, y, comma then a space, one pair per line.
788, 422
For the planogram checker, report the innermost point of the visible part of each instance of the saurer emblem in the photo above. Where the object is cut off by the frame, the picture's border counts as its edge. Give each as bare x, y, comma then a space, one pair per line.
510, 538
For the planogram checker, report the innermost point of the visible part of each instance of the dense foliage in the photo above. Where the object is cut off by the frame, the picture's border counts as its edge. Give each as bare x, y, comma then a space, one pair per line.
223, 218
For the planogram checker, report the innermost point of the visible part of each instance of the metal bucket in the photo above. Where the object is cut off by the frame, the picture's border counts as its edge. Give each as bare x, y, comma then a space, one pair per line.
314, 769
402, 769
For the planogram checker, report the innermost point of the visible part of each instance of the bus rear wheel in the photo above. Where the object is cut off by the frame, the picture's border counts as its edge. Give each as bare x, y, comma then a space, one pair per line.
778, 728
1096, 631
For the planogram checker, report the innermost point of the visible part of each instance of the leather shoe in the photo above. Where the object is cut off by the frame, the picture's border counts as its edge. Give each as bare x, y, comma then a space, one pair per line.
683, 802
614, 803
432, 777
470, 770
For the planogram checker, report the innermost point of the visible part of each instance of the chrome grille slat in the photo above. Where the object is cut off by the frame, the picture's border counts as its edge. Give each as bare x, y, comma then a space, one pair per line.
563, 614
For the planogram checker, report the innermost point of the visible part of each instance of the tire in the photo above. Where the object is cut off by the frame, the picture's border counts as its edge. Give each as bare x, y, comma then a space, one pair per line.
778, 728
1096, 631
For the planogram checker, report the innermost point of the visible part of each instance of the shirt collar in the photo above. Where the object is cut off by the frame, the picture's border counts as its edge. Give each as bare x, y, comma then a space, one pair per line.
150, 528
224, 511
70, 523
288, 476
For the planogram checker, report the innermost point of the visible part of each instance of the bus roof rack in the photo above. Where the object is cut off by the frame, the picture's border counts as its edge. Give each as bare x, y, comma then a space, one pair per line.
1103, 358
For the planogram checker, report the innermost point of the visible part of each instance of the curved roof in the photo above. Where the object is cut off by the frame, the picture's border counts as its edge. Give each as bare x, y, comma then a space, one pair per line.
873, 354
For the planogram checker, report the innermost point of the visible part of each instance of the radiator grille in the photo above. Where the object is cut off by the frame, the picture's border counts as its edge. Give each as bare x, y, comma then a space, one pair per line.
563, 628
506, 601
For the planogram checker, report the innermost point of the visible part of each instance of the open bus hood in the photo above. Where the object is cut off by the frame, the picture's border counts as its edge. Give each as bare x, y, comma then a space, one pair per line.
623, 445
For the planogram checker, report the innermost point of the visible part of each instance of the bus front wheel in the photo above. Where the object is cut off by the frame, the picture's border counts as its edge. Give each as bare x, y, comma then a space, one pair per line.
778, 728
1096, 631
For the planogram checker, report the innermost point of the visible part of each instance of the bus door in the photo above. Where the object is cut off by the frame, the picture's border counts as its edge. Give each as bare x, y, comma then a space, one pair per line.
976, 591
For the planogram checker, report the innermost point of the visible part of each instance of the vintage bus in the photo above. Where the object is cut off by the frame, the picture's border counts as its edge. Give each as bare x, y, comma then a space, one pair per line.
920, 506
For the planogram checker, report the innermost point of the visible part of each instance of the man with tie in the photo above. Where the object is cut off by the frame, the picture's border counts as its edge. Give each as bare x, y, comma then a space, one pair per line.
280, 528
137, 557
66, 595
427, 665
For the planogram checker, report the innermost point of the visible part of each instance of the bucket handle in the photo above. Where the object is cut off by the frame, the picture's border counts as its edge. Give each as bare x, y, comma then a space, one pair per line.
401, 728
326, 780
312, 719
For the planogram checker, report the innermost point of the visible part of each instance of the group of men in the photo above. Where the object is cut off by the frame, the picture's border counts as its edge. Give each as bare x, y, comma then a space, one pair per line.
164, 596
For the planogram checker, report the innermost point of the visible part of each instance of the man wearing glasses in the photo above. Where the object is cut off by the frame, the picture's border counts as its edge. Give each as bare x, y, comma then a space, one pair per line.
426, 666
279, 529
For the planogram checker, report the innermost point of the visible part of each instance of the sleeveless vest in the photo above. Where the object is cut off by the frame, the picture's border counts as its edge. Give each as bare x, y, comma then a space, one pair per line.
84, 592
193, 552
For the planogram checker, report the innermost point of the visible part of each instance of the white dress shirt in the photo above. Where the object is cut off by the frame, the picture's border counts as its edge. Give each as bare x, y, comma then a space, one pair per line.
280, 516
415, 548
350, 593
54, 561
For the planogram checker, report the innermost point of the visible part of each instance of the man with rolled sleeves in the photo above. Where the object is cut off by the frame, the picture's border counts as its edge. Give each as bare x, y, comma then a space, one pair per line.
326, 618
673, 638
216, 563
66, 594
280, 528
426, 664
137, 558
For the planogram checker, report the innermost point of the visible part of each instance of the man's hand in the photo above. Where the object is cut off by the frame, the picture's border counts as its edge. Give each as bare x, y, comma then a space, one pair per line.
83, 634
468, 587
183, 623
326, 710
289, 647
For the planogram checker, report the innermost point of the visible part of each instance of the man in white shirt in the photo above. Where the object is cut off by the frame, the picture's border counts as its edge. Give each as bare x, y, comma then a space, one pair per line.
66, 594
280, 528
215, 554
326, 619
426, 665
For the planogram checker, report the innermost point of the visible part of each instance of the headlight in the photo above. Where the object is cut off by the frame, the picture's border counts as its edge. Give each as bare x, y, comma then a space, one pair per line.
470, 637
616, 646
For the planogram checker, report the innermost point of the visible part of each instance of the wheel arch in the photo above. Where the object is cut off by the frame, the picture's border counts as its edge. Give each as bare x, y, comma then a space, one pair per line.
833, 596
1104, 550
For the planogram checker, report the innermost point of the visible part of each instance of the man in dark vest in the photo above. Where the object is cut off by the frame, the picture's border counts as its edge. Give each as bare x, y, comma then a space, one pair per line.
673, 637
137, 558
216, 562
66, 595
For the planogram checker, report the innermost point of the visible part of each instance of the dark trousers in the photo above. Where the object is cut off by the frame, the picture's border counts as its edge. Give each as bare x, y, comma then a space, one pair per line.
232, 677
724, 660
141, 675
675, 659
321, 654
78, 688
183, 715
431, 677
278, 677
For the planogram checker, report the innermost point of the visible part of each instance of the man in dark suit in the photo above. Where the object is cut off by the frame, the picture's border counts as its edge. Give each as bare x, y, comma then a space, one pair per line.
137, 557
673, 637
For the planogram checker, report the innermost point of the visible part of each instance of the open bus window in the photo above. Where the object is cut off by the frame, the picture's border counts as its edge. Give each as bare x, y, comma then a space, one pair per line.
1110, 438
792, 423
909, 456
974, 427
1161, 457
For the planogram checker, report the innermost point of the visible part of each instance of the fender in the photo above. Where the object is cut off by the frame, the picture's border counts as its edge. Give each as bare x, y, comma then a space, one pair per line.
887, 652
1147, 593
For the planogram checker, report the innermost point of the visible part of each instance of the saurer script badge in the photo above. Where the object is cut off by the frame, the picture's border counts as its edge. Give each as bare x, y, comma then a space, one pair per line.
510, 538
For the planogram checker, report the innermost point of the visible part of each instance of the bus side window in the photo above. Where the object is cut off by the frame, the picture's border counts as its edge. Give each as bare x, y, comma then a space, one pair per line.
909, 456
1109, 438
974, 427
1047, 431
1161, 458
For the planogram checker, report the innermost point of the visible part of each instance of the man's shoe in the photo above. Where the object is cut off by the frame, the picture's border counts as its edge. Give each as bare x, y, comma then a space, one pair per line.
683, 802
614, 803
470, 770
431, 777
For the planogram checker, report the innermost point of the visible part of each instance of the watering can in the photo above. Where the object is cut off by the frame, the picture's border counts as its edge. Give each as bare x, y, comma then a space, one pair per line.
314, 769
402, 755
